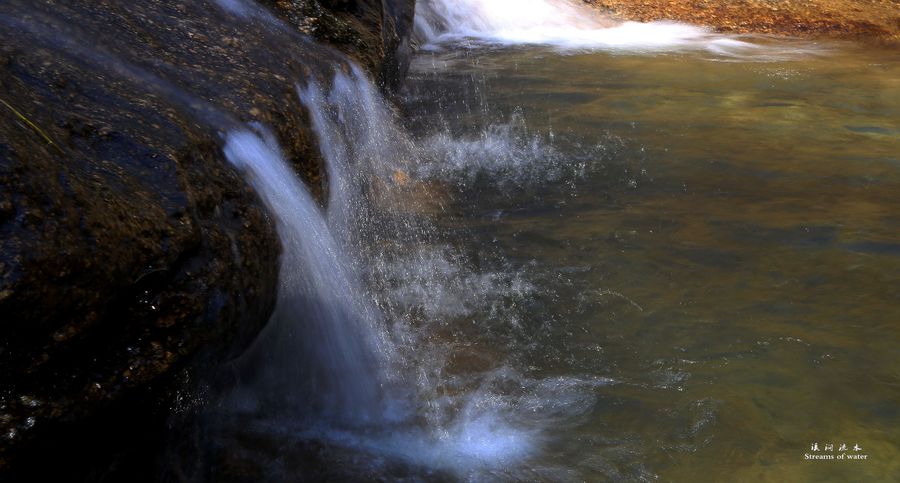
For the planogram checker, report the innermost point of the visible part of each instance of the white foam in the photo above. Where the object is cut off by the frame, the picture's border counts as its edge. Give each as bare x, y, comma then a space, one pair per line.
568, 25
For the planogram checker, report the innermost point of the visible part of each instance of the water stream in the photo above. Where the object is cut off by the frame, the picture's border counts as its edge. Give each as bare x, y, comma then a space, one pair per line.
590, 251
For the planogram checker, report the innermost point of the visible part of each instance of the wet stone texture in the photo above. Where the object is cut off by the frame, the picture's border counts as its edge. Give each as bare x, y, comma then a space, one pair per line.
133, 258
869, 20
374, 32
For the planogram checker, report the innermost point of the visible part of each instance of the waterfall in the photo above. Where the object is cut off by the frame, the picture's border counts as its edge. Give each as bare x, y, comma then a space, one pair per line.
324, 353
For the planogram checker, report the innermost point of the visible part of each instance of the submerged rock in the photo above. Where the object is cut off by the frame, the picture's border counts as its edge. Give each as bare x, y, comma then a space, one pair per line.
132, 255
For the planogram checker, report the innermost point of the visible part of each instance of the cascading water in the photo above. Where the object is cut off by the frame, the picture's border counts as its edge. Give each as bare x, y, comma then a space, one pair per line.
561, 23
333, 363
568, 25
345, 359
477, 18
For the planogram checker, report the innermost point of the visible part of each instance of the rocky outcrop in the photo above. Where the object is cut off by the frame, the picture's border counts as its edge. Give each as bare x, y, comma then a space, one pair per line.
132, 255
375, 32
866, 20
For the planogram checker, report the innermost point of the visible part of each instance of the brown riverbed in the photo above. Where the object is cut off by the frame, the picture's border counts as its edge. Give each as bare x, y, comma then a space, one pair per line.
870, 20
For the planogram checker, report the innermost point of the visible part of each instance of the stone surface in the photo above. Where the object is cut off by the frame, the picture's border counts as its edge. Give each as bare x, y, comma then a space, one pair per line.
375, 32
867, 20
133, 257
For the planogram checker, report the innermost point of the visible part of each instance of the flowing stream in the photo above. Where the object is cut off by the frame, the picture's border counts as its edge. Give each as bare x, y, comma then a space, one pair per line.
587, 251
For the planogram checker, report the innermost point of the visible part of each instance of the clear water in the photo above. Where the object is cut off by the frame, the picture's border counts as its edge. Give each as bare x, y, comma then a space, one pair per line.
719, 239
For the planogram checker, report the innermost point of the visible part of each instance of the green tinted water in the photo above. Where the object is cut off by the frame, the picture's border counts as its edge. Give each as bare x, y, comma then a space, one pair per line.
721, 239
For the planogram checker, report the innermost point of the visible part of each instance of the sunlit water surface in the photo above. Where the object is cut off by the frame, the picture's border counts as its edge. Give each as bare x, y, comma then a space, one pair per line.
716, 238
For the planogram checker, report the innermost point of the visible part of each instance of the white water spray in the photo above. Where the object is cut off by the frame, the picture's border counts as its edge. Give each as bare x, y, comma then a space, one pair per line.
338, 363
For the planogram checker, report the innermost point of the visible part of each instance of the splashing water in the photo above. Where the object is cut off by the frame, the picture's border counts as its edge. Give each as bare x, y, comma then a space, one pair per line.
503, 154
347, 365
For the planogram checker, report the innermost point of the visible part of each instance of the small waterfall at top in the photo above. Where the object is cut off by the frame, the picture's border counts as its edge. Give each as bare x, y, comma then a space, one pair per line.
435, 18
561, 23
568, 25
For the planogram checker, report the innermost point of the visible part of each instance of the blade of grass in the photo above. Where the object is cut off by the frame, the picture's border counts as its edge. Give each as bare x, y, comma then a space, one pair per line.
32, 125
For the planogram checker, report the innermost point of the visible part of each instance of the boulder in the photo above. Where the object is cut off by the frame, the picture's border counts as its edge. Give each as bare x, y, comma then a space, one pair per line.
134, 260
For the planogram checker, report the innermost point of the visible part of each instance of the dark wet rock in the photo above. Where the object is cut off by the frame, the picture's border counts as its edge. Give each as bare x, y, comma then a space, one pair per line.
133, 258
374, 32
